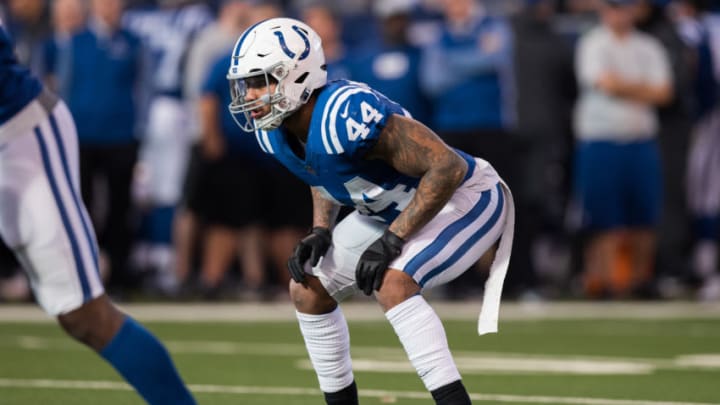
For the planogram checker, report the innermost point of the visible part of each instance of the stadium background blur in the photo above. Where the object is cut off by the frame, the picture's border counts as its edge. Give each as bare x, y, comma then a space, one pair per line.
156, 188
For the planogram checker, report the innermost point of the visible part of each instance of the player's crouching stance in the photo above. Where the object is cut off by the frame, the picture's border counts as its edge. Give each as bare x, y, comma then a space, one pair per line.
44, 221
424, 212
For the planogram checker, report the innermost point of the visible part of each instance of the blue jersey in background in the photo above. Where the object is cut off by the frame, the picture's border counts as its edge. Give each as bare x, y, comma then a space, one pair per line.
394, 71
468, 73
167, 33
99, 74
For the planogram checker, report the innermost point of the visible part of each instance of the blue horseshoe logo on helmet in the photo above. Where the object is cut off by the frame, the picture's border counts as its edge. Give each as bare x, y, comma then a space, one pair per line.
287, 50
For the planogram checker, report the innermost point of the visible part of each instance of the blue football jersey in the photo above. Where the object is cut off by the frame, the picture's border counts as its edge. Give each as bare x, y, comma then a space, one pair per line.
346, 123
17, 85
166, 32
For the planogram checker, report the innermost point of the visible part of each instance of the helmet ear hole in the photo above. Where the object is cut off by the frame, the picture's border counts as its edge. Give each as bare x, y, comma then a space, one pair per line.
302, 78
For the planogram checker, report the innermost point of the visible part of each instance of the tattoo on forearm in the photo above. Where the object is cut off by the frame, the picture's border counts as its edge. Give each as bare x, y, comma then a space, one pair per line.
415, 150
325, 212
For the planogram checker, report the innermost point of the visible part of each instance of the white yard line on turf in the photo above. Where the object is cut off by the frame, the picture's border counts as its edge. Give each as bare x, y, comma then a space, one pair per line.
247, 390
394, 360
368, 310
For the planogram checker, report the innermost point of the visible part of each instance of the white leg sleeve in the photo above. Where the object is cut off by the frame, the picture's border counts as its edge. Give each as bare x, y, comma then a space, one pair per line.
423, 337
328, 343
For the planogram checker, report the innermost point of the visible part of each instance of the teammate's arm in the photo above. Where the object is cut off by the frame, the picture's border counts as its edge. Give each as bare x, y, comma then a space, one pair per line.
640, 91
325, 212
415, 150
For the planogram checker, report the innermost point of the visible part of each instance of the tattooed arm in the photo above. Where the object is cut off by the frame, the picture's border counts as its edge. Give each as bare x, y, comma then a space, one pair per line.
325, 212
413, 149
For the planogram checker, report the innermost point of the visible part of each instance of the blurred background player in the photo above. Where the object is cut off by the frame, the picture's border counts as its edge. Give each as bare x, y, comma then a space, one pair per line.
167, 31
322, 18
43, 219
106, 121
211, 43
541, 146
701, 31
231, 215
68, 18
467, 73
224, 185
675, 122
623, 74
390, 64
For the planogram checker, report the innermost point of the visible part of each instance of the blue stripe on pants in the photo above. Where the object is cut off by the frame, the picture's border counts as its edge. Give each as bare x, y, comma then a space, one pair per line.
448, 233
78, 206
465, 247
63, 214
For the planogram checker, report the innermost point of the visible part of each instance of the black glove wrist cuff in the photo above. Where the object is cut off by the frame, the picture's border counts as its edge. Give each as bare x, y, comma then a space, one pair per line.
393, 240
322, 232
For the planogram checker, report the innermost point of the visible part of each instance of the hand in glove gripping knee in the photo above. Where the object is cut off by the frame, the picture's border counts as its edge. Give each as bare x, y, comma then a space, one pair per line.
375, 261
313, 246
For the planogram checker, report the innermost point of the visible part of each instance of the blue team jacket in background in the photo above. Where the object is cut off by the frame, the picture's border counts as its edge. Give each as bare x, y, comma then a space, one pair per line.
98, 74
394, 71
471, 89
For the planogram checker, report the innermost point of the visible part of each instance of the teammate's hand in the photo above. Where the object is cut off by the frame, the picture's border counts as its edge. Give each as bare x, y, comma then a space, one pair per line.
312, 247
375, 261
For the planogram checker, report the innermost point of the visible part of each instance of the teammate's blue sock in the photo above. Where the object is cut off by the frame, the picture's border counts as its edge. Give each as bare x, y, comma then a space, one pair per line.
146, 365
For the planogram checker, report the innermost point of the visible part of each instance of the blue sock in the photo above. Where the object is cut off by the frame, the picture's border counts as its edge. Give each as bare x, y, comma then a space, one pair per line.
146, 365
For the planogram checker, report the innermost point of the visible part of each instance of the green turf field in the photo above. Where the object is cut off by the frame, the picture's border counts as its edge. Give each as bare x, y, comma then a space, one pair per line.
619, 360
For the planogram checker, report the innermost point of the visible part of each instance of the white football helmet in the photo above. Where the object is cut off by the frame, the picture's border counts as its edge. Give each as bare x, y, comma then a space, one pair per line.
279, 50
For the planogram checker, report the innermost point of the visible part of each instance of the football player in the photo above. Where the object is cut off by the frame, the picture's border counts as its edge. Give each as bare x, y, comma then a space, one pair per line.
423, 212
167, 31
44, 221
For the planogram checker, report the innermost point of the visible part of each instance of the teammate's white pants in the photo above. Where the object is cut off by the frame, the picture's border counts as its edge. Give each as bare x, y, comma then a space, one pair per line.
164, 153
42, 216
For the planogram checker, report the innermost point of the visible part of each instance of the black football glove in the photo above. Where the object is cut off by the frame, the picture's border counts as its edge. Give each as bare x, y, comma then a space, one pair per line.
375, 261
312, 247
